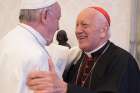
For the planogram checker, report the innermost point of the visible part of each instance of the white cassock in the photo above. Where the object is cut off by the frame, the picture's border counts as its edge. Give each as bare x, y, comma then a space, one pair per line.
21, 51
59, 55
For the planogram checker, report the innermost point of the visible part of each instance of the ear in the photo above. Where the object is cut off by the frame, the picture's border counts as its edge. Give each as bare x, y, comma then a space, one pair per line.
103, 32
44, 15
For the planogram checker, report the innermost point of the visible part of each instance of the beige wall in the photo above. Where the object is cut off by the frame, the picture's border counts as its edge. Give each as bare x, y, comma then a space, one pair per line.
120, 11
8, 15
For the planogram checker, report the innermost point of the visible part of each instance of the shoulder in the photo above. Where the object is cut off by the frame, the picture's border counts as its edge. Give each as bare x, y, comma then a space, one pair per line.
120, 57
119, 52
16, 37
57, 48
74, 54
20, 43
58, 51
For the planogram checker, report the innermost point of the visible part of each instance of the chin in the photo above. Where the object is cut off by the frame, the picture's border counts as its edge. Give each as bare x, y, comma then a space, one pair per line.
49, 42
84, 47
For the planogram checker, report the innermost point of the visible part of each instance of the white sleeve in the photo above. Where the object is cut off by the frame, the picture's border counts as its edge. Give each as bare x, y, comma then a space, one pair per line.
74, 55
38, 63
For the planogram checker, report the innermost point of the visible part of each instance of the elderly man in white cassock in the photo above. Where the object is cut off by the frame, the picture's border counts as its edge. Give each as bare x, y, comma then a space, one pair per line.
23, 50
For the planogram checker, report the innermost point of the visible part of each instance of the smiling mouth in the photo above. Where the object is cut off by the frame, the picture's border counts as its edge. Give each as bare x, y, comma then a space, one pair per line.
82, 37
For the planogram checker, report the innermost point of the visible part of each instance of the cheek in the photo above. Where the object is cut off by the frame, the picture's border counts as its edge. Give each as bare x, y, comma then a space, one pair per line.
53, 23
53, 26
85, 44
88, 43
51, 30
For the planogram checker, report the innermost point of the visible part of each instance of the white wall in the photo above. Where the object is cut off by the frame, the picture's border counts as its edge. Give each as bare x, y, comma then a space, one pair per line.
120, 11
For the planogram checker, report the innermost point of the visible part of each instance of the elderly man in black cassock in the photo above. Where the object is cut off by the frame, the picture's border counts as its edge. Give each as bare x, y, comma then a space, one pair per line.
102, 67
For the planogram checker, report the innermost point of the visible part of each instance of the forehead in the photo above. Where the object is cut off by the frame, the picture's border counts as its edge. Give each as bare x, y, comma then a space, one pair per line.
56, 9
87, 14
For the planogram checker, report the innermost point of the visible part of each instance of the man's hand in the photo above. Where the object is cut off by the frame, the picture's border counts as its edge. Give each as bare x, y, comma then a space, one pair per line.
46, 82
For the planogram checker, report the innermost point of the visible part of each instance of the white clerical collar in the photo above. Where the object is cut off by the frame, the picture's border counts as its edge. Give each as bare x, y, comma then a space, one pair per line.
93, 51
35, 33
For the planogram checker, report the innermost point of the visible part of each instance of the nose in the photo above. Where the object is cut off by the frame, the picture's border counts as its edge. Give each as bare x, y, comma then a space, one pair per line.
78, 29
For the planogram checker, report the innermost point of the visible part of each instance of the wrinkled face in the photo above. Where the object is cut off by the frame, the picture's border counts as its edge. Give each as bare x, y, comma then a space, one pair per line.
88, 30
53, 17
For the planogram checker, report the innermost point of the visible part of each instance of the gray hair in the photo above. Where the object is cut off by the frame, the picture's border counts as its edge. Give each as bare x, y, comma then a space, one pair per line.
30, 15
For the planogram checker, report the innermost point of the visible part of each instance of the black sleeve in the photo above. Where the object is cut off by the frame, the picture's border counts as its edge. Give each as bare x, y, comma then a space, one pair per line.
75, 89
66, 73
130, 82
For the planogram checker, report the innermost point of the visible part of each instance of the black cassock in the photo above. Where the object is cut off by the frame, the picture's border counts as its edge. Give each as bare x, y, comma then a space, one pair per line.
116, 71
